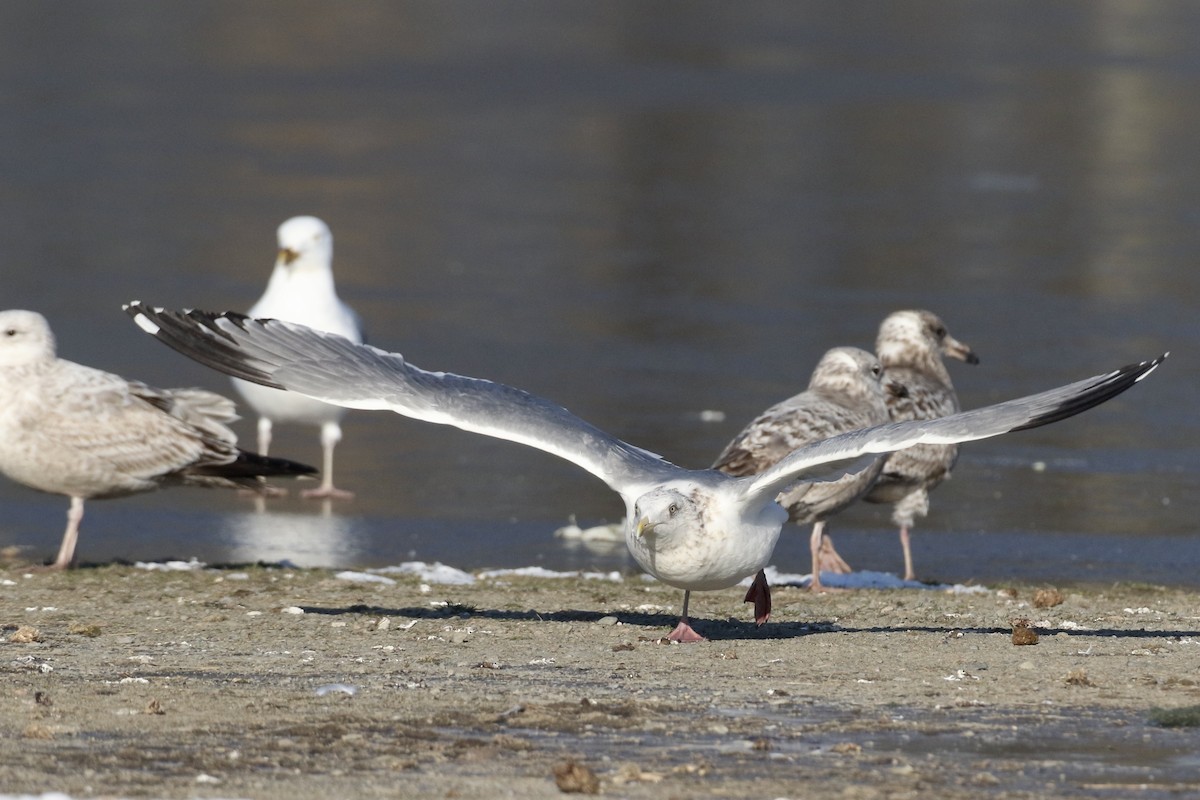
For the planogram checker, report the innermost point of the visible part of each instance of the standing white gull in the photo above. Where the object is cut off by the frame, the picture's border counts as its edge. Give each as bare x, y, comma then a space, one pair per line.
77, 431
910, 346
301, 290
847, 391
693, 529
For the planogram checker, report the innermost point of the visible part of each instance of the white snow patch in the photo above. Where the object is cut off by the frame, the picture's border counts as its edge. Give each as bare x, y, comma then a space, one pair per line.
436, 572
542, 572
363, 577
170, 566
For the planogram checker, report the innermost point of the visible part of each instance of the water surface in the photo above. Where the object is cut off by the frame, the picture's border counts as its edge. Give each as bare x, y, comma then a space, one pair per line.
644, 212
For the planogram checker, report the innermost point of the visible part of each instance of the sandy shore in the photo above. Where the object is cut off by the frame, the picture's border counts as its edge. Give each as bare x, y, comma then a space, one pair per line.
286, 683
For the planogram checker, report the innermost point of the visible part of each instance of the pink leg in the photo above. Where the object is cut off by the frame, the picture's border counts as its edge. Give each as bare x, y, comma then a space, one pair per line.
331, 434
264, 448
683, 632
909, 574
66, 551
830, 560
815, 540
264, 436
759, 593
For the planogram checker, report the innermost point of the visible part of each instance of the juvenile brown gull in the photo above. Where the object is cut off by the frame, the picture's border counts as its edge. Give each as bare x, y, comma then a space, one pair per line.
910, 346
846, 392
73, 430
697, 530
301, 289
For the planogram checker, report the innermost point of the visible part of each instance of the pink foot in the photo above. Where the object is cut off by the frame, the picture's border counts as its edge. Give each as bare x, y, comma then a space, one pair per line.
759, 593
328, 493
829, 559
684, 634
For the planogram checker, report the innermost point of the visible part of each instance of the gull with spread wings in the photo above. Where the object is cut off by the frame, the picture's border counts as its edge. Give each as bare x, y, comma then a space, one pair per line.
696, 530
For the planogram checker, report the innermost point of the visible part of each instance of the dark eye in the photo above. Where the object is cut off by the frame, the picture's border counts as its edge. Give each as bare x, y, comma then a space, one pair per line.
10, 331
876, 370
940, 331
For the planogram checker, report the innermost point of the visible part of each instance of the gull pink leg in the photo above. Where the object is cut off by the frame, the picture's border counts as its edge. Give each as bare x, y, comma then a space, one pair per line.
830, 559
683, 632
331, 434
66, 551
909, 574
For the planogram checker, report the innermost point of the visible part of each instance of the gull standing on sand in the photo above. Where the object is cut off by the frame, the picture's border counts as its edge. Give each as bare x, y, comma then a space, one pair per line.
301, 290
77, 431
910, 346
847, 391
696, 530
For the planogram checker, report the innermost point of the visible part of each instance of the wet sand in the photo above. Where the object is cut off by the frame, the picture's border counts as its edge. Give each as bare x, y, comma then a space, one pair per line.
287, 683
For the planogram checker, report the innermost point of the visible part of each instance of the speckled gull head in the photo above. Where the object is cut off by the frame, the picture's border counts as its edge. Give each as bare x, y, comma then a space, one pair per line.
907, 337
856, 375
692, 529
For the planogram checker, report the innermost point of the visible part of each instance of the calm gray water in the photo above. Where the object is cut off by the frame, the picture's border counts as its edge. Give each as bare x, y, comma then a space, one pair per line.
644, 212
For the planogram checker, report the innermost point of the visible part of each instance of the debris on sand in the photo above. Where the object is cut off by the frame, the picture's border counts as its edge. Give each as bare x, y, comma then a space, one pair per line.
1047, 598
25, 634
574, 778
1023, 632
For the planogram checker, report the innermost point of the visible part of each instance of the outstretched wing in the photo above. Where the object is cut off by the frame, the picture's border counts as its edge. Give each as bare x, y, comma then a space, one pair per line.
980, 423
335, 370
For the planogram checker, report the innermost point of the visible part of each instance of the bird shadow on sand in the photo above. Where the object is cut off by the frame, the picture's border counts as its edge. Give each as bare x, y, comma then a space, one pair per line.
649, 625
655, 626
1118, 633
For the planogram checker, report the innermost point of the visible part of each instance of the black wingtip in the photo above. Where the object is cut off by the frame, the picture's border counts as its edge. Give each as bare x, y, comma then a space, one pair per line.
249, 468
197, 335
253, 464
1105, 388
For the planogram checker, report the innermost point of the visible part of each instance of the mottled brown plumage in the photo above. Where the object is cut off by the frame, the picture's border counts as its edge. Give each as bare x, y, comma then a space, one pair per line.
846, 392
911, 345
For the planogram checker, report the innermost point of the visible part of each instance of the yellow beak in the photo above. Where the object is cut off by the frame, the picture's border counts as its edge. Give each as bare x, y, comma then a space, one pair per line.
644, 525
287, 255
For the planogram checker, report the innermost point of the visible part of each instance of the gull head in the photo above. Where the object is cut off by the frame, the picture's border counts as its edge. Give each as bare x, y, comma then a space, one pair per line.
855, 374
25, 338
663, 512
305, 243
907, 337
